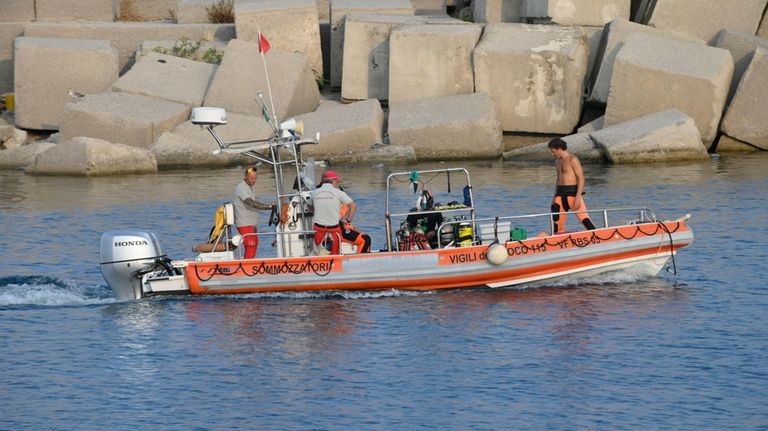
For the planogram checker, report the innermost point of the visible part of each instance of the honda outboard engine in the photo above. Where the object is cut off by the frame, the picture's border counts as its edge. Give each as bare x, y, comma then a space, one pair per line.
126, 255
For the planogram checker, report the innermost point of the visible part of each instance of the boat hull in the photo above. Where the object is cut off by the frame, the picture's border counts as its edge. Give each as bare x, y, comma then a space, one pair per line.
647, 246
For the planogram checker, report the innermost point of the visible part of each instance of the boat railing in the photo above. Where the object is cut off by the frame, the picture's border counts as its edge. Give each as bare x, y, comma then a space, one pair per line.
489, 229
309, 233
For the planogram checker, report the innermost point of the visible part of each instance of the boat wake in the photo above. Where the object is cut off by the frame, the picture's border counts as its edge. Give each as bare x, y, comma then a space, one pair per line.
49, 291
330, 294
619, 277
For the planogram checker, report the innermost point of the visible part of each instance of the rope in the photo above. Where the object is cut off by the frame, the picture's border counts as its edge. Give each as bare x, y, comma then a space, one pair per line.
263, 269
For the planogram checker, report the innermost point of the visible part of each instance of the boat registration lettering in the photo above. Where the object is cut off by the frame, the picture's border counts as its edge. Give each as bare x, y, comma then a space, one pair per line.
455, 257
520, 250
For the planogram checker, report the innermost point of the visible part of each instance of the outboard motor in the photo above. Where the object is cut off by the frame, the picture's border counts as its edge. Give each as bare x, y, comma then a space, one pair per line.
126, 255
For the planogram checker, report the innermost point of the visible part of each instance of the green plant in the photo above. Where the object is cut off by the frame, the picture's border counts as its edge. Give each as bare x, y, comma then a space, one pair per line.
221, 12
213, 56
190, 49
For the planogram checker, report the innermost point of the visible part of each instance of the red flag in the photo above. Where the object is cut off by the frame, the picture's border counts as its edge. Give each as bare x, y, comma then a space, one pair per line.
263, 44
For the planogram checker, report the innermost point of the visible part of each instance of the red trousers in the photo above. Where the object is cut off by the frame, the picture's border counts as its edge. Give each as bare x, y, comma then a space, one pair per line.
251, 242
335, 236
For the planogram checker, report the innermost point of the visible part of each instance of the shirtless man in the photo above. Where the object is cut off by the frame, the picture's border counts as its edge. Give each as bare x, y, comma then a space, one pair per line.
569, 187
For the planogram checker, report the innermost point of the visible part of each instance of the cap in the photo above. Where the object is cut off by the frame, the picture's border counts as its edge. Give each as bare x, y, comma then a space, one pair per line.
331, 176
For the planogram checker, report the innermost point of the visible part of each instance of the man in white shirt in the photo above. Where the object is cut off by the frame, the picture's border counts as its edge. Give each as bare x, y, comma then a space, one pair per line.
246, 215
328, 200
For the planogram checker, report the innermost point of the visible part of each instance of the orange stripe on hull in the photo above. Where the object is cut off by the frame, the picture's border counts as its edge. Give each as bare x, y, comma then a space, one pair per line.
436, 283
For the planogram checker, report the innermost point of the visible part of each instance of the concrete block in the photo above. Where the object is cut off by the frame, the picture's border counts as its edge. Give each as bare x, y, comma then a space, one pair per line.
535, 75
46, 69
123, 118
577, 12
380, 153
147, 10
9, 31
365, 73
167, 47
127, 37
451, 127
726, 144
444, 66
593, 125
741, 46
763, 30
83, 156
668, 135
169, 78
579, 144
325, 47
497, 10
594, 36
193, 11
190, 145
338, 12
22, 156
513, 141
77, 10
651, 74
241, 76
173, 151
616, 34
288, 25
344, 129
703, 19
13, 138
428, 7
17, 10
747, 116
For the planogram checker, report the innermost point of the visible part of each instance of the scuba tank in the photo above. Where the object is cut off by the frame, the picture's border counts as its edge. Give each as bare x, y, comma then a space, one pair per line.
464, 234
447, 234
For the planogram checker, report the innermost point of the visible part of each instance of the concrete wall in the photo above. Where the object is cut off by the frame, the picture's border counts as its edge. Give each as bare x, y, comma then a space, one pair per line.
741, 47
428, 7
8, 32
288, 25
147, 10
17, 10
169, 78
431, 60
497, 10
617, 32
451, 127
74, 10
662, 136
534, 73
703, 19
241, 76
747, 116
127, 37
577, 12
652, 73
763, 30
365, 72
47, 69
340, 9
344, 128
123, 118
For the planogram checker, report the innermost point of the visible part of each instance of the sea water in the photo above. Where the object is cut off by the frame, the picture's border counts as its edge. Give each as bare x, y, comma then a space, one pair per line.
618, 351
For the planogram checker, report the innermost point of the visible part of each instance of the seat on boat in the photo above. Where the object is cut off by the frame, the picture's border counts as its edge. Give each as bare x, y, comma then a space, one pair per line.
219, 238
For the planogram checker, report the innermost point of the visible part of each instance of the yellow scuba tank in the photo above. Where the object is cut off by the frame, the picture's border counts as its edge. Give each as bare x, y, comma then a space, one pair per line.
465, 234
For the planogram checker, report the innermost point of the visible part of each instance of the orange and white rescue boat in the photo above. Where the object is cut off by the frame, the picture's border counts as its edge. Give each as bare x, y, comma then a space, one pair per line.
469, 250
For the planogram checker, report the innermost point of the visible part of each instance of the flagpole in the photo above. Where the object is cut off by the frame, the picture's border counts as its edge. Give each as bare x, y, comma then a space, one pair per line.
269, 87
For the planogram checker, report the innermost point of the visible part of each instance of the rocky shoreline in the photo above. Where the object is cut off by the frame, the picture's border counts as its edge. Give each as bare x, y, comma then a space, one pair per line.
102, 87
